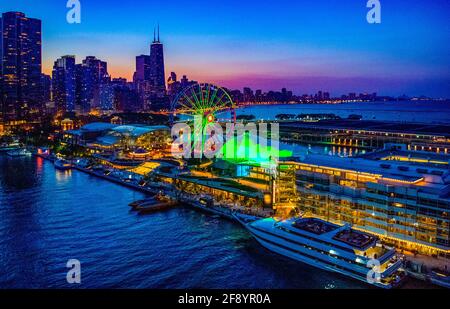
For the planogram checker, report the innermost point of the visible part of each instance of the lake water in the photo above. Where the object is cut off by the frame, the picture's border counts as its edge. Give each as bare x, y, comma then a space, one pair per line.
48, 217
411, 111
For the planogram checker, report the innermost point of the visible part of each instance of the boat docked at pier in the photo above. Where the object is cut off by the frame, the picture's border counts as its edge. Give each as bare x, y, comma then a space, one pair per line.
21, 152
62, 164
330, 247
157, 203
4, 147
135, 204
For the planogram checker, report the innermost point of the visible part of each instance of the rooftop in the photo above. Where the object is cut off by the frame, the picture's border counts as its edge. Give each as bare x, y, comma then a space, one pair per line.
414, 157
432, 178
133, 130
97, 127
222, 184
137, 130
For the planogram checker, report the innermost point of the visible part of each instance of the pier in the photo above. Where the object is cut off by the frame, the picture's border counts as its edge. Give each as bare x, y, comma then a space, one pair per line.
368, 134
182, 198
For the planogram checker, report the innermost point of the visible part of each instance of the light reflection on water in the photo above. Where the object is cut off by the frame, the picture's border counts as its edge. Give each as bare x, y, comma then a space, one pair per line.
48, 217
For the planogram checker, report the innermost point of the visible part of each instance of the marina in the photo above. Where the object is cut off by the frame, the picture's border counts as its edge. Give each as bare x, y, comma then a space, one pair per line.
217, 253
115, 226
226, 189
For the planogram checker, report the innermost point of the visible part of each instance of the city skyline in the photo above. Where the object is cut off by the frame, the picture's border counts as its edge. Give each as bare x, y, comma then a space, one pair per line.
233, 146
329, 47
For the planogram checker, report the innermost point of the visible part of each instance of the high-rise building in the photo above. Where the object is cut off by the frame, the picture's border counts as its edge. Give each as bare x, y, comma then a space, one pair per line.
185, 82
149, 79
99, 71
99, 68
126, 99
142, 68
106, 96
173, 76
85, 82
173, 85
64, 84
157, 73
21, 64
248, 94
46, 87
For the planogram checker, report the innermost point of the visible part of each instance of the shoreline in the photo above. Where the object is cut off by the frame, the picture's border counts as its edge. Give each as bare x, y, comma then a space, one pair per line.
411, 282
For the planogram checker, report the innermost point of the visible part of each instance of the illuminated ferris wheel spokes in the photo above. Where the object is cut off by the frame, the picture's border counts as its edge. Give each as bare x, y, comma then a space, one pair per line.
205, 100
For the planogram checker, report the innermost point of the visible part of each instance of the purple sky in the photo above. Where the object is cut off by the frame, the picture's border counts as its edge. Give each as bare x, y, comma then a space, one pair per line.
305, 46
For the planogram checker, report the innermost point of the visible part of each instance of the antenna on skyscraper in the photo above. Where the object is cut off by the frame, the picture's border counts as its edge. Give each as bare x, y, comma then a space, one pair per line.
154, 35
158, 34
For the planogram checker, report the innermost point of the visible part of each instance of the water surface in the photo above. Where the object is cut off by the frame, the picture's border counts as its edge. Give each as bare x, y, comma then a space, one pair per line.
48, 217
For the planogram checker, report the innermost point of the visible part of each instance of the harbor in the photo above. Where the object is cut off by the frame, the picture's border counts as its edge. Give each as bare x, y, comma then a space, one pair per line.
107, 238
202, 202
94, 214
166, 197
343, 190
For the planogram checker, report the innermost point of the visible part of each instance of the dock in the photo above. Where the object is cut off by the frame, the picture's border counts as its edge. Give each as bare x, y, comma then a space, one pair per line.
176, 196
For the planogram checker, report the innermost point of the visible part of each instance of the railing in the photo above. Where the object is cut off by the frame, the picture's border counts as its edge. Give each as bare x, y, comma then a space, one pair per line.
391, 269
388, 255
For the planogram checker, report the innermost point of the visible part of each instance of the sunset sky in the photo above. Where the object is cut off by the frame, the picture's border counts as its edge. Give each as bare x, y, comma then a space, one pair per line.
305, 46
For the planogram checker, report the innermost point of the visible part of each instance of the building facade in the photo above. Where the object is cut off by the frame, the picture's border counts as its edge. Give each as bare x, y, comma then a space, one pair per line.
64, 84
142, 68
85, 82
157, 71
20, 65
407, 205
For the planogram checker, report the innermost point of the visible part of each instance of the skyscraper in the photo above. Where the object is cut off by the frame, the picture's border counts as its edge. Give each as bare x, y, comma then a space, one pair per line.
142, 68
173, 85
99, 71
157, 73
85, 81
99, 68
46, 87
64, 84
21, 64
106, 97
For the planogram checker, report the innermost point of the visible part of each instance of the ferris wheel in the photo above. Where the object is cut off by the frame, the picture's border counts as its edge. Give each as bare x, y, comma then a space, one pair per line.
212, 103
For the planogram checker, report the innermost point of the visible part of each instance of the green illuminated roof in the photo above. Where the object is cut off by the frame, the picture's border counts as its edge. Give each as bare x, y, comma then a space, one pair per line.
248, 150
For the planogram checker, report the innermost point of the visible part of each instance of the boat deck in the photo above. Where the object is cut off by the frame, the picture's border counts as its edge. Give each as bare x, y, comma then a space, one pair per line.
314, 226
356, 239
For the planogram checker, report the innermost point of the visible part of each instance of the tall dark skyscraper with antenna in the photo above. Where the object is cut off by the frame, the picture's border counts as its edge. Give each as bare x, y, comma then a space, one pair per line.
157, 74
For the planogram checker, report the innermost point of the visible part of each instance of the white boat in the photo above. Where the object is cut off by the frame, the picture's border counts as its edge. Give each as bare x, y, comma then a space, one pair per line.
9, 146
330, 247
22, 152
62, 164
